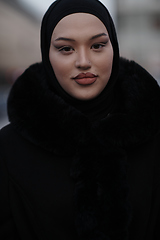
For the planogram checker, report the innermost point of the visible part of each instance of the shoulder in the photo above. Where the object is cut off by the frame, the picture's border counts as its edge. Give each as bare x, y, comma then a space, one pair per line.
11, 142
137, 118
130, 70
27, 82
7, 140
136, 83
6, 133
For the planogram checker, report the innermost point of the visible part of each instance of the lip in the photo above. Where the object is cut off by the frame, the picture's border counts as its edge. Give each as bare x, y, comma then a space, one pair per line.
85, 78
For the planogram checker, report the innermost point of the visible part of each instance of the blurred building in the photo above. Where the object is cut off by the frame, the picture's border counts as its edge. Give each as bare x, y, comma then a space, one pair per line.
19, 40
19, 47
138, 24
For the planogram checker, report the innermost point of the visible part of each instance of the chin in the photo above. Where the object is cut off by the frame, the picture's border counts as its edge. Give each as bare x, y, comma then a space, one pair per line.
86, 97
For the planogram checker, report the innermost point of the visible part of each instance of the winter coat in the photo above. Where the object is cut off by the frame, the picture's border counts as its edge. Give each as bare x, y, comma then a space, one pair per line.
63, 177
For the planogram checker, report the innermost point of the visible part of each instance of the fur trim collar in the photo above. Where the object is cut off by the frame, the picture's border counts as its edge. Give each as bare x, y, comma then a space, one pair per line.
45, 119
99, 158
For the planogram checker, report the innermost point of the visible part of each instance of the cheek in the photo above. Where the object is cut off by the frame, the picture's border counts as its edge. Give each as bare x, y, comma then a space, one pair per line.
60, 67
109, 62
105, 65
58, 70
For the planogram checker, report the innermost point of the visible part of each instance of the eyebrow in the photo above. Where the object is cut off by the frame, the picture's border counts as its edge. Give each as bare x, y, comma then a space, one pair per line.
64, 39
69, 39
98, 35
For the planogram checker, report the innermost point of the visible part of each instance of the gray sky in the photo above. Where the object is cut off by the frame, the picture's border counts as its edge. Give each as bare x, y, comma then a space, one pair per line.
39, 7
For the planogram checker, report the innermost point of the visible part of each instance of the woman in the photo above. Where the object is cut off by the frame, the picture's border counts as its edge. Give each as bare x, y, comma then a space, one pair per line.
80, 157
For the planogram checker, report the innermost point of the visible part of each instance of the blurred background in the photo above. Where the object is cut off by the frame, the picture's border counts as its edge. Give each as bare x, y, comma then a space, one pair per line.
138, 29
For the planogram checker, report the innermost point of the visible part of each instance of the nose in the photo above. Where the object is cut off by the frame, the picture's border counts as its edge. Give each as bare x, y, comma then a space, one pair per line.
82, 60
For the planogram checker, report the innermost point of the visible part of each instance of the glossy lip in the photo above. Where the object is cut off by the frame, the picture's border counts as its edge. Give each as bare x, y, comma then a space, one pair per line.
85, 75
85, 78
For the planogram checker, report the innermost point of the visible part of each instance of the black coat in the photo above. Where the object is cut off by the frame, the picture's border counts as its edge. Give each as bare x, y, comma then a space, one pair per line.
62, 177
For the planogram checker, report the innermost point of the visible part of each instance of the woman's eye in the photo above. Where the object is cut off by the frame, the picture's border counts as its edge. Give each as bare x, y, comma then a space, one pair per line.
98, 46
65, 49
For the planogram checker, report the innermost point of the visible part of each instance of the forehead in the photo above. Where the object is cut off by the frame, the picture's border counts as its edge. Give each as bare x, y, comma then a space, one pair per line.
79, 22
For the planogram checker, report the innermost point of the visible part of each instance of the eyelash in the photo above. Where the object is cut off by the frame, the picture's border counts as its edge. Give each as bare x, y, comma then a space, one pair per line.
68, 49
63, 49
101, 45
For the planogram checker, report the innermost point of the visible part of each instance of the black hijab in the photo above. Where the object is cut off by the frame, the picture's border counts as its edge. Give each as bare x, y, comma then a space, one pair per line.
100, 106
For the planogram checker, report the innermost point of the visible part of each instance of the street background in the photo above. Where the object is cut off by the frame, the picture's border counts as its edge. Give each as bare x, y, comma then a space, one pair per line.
138, 29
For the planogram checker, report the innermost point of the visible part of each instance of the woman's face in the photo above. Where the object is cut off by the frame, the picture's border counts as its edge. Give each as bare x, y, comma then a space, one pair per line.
81, 55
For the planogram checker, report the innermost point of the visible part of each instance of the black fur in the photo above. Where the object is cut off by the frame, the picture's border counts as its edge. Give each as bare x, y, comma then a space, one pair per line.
101, 200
